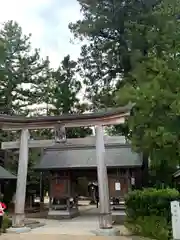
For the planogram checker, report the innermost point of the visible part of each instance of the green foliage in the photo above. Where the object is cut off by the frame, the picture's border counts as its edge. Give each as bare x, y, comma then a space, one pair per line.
60, 93
155, 227
154, 120
20, 66
33, 177
7, 222
148, 212
161, 175
153, 84
150, 202
65, 87
117, 31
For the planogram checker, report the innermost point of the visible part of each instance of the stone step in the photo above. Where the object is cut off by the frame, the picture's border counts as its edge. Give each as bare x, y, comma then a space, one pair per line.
120, 206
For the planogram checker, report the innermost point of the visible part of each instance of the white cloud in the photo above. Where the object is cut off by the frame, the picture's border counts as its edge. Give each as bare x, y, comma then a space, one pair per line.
48, 21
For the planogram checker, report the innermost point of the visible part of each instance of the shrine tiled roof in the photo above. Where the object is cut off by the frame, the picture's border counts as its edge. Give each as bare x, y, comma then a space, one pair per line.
84, 155
6, 175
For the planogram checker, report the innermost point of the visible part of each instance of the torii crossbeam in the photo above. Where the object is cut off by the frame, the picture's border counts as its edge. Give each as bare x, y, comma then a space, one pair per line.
100, 119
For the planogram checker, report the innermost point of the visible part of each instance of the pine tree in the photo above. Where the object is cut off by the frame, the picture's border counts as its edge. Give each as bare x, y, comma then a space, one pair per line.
19, 70
64, 90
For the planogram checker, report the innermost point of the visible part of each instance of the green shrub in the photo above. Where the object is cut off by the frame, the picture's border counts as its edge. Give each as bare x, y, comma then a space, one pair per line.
150, 226
148, 212
7, 222
150, 202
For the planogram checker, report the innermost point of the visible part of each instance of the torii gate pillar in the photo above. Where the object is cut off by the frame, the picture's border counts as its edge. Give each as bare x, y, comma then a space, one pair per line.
18, 219
105, 218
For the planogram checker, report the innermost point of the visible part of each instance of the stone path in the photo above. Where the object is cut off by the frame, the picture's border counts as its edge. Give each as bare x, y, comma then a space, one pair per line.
80, 228
82, 225
71, 228
61, 237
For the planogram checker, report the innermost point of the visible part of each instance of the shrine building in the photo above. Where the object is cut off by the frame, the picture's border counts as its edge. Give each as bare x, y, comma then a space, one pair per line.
75, 158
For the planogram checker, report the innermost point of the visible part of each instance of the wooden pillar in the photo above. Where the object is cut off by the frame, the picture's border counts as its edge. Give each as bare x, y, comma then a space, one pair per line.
41, 191
50, 191
128, 176
18, 219
105, 220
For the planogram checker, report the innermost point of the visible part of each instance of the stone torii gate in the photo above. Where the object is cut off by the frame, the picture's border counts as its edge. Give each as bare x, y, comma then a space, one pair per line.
59, 123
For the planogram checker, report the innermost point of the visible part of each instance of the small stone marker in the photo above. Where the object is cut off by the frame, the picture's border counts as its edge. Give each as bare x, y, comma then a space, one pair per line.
175, 214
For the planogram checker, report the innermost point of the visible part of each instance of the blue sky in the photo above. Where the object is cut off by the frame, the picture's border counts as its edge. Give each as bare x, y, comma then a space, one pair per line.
48, 21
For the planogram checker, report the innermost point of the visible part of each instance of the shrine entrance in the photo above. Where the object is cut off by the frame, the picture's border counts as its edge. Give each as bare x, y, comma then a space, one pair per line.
69, 193
100, 156
73, 175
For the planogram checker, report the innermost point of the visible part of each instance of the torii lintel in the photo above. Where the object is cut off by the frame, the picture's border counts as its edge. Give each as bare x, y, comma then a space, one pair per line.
110, 117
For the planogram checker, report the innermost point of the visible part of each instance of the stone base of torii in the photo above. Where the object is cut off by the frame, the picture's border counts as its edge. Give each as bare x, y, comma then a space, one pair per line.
100, 120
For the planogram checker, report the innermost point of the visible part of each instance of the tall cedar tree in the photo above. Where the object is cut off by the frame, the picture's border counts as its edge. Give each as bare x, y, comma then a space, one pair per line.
65, 89
155, 121
117, 31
